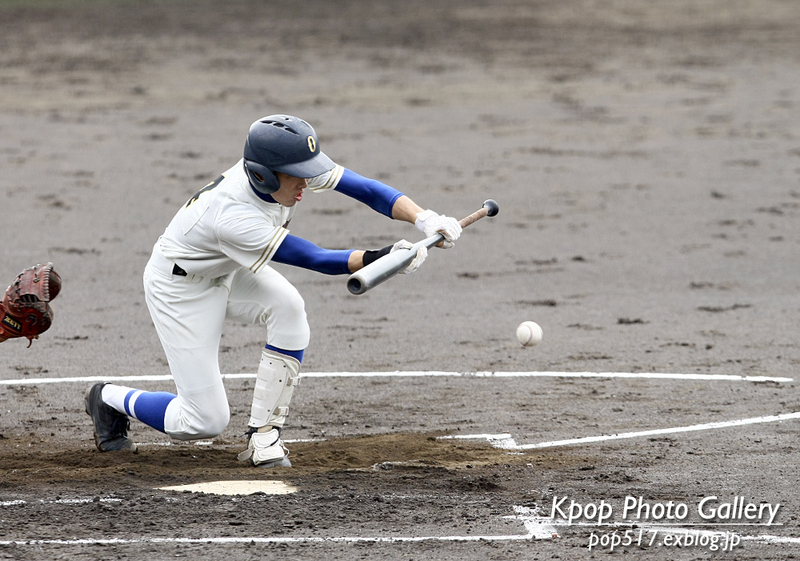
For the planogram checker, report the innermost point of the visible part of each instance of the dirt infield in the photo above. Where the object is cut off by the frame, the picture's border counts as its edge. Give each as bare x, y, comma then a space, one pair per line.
646, 159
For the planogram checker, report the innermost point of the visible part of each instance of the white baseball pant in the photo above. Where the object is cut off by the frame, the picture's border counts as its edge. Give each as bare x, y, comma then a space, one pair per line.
189, 312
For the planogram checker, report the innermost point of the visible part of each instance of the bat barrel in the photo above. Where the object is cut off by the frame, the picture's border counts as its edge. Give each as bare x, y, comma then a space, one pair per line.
386, 267
389, 265
356, 284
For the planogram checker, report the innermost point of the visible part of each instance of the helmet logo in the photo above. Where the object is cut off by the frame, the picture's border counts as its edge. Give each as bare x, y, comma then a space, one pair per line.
312, 144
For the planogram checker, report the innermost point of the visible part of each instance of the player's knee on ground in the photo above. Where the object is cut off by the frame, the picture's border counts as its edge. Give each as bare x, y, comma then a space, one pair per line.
188, 423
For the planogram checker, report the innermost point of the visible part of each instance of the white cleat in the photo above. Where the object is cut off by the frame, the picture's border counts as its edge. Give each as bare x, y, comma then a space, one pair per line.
266, 449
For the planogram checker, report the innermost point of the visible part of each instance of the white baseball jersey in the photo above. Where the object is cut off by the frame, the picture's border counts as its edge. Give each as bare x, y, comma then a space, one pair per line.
226, 226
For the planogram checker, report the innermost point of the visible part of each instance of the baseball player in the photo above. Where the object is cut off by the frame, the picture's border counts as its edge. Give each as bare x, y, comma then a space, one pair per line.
212, 263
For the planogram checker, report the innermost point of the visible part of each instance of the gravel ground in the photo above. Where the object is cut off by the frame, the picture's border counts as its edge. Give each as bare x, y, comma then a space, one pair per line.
646, 159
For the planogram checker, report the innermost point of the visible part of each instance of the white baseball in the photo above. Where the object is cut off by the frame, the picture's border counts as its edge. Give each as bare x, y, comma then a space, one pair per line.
529, 334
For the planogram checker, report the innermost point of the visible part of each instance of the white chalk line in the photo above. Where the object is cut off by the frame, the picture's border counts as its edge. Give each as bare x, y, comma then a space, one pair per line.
418, 374
506, 441
772, 539
536, 529
265, 540
60, 501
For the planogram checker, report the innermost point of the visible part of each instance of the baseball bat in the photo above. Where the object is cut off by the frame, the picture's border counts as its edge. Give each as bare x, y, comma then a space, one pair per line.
389, 265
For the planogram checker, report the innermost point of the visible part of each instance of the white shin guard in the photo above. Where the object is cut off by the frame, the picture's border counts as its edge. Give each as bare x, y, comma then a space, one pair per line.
277, 377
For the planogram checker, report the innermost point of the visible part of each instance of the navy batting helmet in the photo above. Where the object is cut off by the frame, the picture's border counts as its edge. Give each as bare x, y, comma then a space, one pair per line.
285, 144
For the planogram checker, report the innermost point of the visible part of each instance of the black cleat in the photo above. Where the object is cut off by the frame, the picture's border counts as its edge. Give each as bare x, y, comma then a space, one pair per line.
110, 426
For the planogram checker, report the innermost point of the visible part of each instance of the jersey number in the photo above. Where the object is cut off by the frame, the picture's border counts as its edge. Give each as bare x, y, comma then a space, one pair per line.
208, 187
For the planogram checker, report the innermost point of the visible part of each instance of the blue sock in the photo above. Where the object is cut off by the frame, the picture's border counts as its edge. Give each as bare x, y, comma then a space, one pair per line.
294, 354
148, 407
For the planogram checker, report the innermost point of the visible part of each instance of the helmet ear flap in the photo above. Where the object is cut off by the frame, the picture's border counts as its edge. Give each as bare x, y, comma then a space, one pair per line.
261, 177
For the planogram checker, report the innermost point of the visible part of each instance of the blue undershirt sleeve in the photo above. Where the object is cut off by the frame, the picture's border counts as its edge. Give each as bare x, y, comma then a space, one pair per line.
302, 253
371, 192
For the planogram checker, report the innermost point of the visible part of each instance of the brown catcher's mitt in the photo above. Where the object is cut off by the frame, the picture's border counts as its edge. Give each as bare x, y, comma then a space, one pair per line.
25, 311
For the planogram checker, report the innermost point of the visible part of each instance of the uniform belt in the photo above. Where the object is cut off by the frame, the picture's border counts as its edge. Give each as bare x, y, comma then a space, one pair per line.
178, 271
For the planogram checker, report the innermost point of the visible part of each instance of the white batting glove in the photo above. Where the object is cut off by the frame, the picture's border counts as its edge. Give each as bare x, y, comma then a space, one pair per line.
431, 223
422, 254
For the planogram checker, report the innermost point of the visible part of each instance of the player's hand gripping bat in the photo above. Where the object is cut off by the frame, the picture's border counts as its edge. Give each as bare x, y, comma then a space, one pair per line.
389, 265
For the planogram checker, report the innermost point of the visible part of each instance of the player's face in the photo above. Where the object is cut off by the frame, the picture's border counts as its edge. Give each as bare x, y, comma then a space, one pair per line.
291, 189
